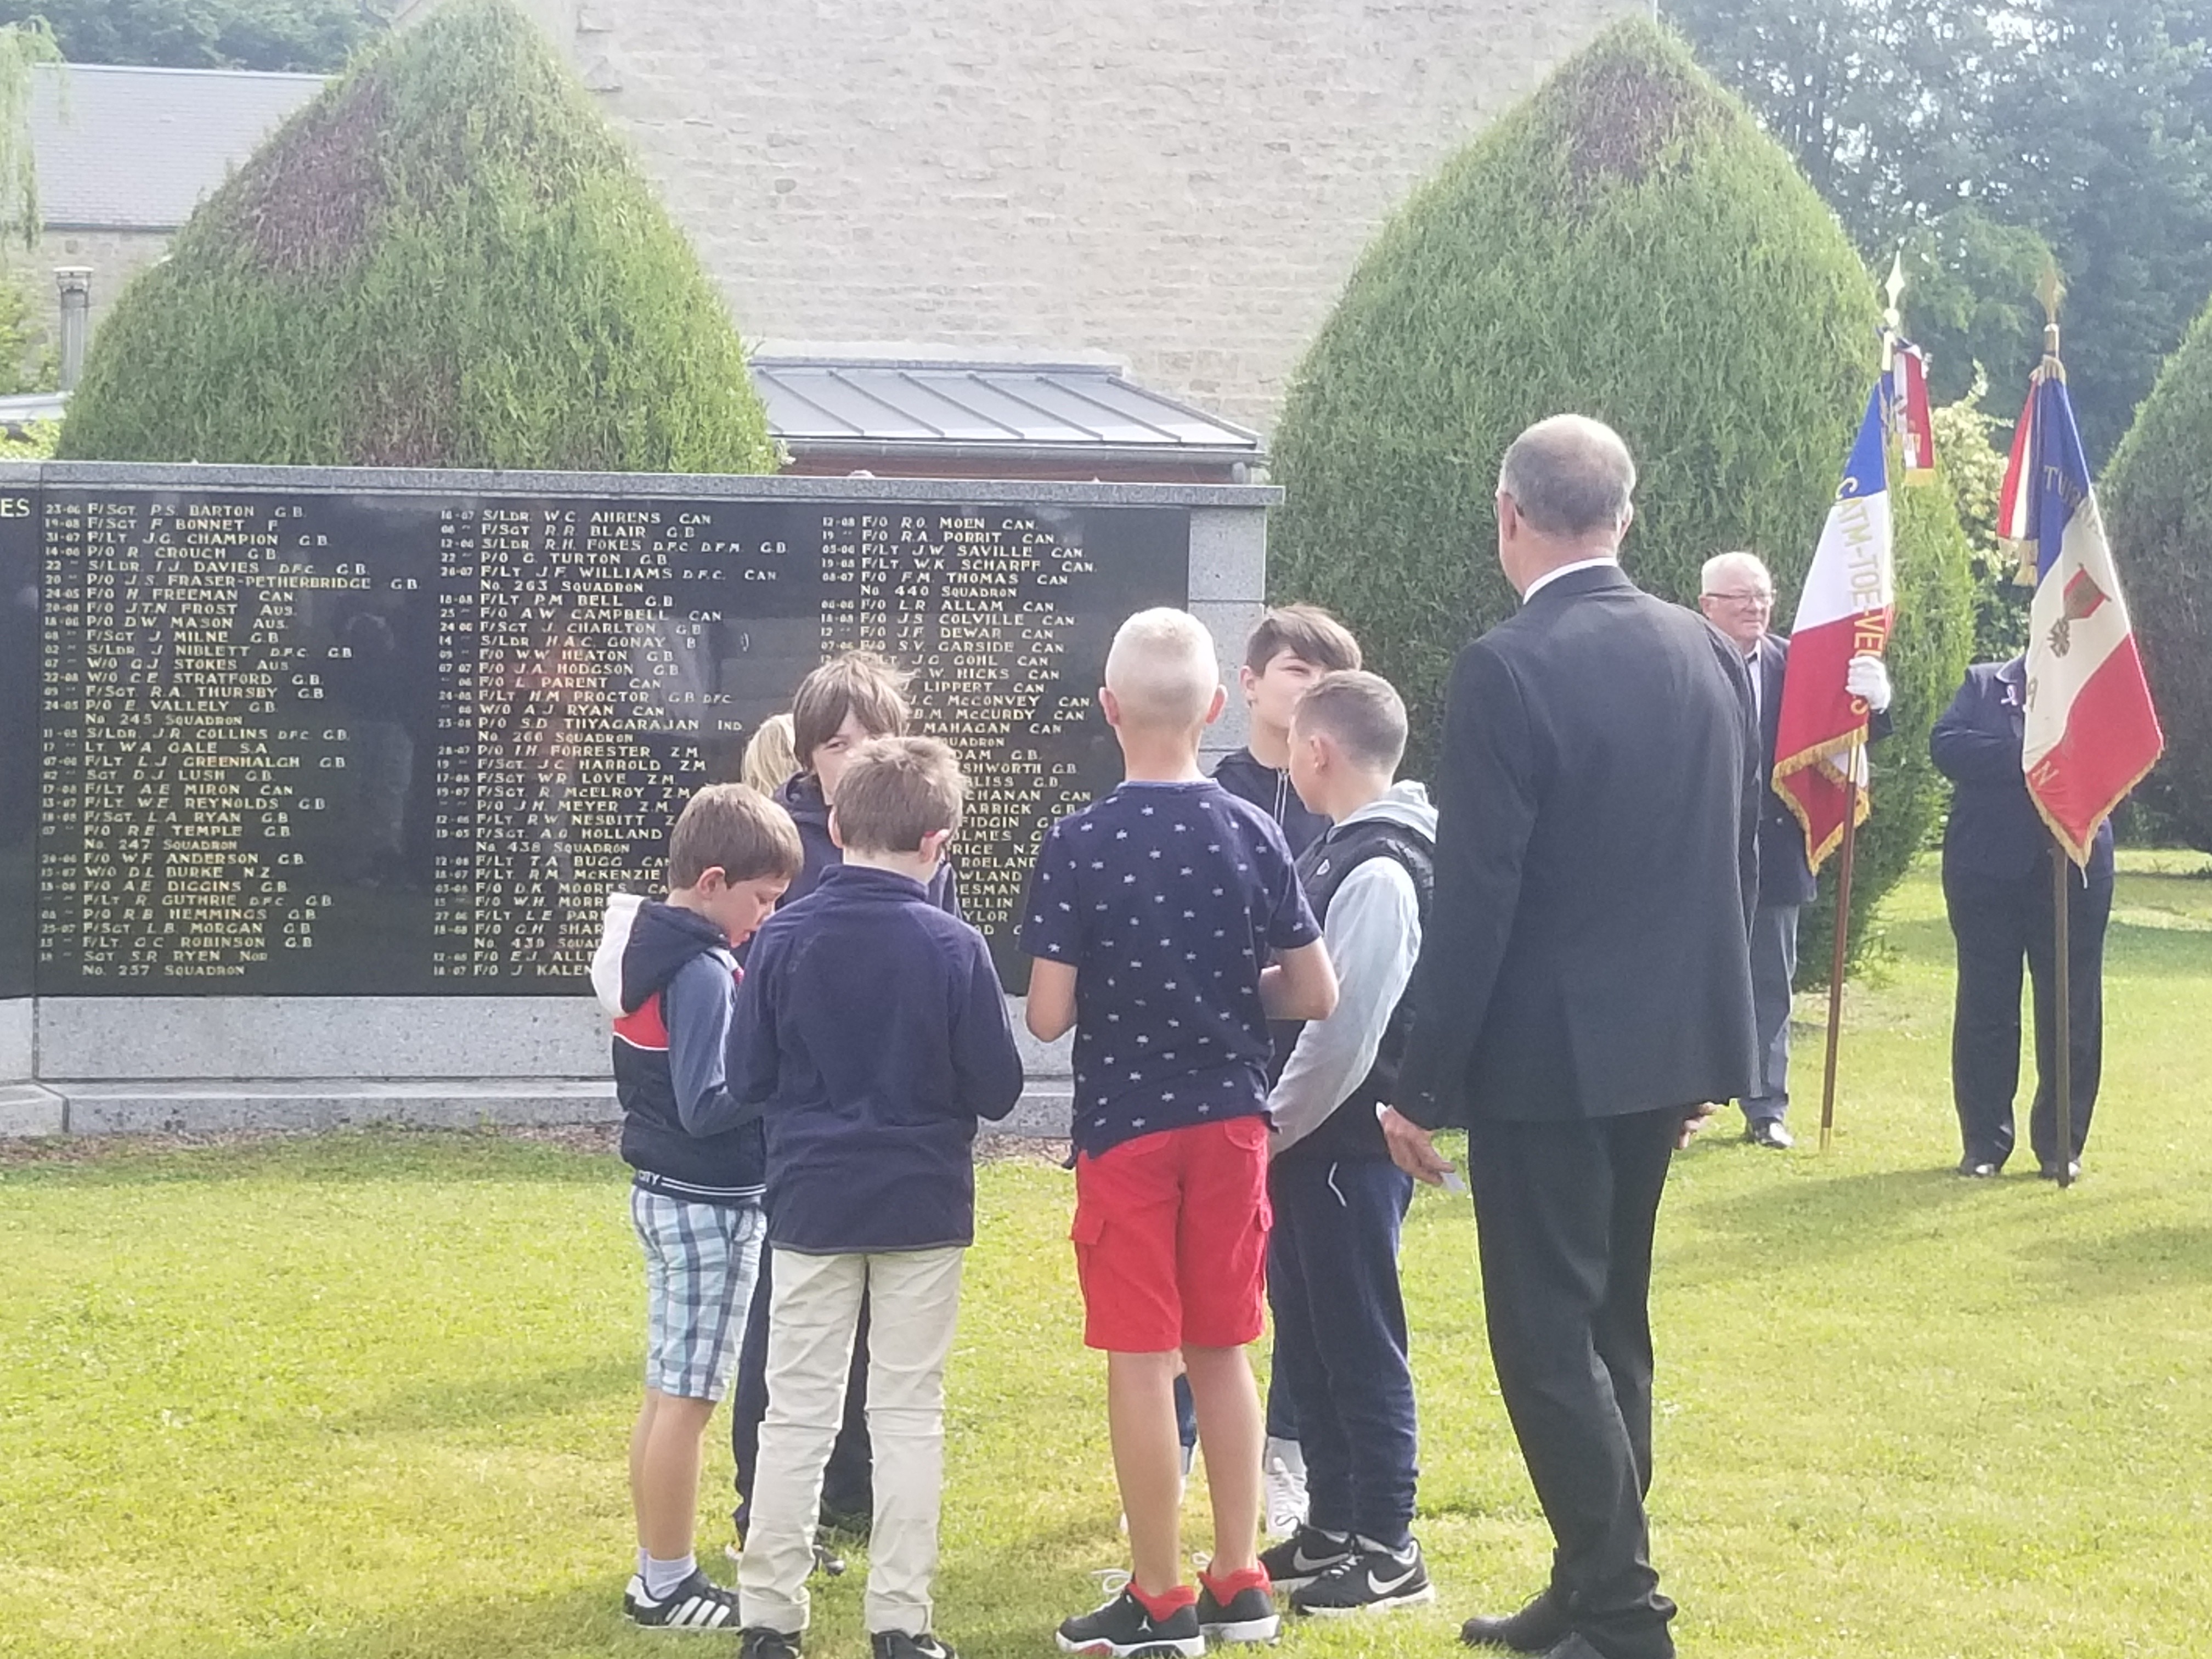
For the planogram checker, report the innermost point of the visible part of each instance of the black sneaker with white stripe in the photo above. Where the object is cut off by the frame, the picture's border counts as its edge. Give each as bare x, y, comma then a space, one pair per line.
1373, 1579
1304, 1556
899, 1644
697, 1603
1125, 1629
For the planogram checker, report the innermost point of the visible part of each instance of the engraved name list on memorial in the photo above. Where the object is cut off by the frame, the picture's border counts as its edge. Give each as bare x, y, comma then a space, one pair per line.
357, 744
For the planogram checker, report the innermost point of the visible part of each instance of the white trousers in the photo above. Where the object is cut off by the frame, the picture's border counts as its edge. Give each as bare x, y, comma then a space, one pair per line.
913, 1303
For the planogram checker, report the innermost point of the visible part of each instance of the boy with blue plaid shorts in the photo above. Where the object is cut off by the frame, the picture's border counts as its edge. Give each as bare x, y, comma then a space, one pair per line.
665, 972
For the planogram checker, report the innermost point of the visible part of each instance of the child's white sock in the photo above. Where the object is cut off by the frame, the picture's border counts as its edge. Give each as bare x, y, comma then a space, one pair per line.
662, 1576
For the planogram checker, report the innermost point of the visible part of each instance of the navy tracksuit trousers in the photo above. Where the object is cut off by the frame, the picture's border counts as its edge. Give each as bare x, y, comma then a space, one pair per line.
1340, 1338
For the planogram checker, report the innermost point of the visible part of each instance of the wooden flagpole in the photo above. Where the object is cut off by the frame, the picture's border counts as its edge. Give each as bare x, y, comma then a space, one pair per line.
2061, 863
1846, 857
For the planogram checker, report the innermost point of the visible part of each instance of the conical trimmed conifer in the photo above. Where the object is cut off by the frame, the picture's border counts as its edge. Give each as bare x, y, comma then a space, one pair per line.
446, 260
1627, 244
2159, 515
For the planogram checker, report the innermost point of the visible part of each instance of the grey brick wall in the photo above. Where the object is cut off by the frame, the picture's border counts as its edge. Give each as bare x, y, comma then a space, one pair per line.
1185, 183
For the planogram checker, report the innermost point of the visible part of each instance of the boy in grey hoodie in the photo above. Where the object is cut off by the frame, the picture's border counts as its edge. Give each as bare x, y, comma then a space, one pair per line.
1339, 1200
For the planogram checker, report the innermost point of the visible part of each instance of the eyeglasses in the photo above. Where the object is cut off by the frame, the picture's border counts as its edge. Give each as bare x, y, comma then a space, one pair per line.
1757, 601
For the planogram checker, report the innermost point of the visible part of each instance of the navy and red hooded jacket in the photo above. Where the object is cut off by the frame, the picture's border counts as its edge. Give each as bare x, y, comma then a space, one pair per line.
668, 977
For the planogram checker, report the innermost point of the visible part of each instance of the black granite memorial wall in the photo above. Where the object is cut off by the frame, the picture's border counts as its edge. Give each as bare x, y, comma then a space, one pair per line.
350, 741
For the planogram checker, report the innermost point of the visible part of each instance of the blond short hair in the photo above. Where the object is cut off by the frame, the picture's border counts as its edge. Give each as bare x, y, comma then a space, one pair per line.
737, 830
1362, 711
897, 792
1161, 669
771, 755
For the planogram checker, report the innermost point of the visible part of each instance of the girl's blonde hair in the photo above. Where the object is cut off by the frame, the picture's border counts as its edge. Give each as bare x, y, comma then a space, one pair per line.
770, 759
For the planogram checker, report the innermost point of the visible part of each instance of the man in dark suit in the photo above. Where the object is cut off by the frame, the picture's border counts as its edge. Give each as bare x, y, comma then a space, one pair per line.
1736, 593
1997, 889
1582, 988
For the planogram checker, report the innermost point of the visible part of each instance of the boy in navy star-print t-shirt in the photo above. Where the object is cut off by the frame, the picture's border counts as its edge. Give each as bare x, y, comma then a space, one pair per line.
1153, 917
1168, 898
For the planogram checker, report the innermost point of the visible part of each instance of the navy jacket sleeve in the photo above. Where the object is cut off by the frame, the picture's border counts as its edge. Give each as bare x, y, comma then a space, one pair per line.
987, 1064
752, 1051
1967, 746
697, 1004
1486, 800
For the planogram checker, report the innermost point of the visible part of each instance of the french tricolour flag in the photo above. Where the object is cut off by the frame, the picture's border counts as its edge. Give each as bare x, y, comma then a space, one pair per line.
2092, 733
1849, 601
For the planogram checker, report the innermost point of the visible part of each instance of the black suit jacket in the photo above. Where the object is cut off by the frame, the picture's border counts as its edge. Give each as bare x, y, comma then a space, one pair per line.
1994, 829
1596, 866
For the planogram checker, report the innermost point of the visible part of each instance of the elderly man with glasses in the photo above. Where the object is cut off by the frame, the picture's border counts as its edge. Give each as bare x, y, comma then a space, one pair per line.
1737, 596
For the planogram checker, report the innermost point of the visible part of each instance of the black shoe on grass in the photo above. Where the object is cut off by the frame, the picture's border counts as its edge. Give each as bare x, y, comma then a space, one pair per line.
1248, 1614
1125, 1629
898, 1644
1304, 1556
1374, 1580
697, 1603
759, 1642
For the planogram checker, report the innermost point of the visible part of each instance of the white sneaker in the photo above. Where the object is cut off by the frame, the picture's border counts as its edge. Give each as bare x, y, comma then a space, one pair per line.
1285, 1466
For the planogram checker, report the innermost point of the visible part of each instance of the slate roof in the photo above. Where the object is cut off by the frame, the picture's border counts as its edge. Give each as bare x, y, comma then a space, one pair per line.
122, 148
926, 405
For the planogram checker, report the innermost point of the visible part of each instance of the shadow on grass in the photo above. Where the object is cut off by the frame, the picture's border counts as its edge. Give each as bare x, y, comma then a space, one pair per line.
439, 1406
1837, 1212
563, 1622
2152, 1259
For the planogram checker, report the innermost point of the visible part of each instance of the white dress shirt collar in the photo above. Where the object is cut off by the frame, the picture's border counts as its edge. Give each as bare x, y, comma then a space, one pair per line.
1552, 575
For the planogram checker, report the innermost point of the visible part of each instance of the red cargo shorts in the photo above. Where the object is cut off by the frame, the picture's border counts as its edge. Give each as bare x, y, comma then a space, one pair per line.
1171, 1238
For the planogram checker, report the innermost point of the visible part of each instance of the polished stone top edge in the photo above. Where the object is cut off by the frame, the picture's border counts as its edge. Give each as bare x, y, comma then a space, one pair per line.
87, 475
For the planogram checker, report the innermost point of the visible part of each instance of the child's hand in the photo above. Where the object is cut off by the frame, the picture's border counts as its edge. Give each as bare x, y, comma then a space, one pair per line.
1413, 1149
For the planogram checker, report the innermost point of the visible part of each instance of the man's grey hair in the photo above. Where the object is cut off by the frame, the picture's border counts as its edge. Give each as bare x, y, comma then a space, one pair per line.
1717, 569
1570, 475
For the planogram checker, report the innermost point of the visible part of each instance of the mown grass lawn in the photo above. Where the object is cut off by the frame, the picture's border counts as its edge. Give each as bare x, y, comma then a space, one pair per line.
366, 1396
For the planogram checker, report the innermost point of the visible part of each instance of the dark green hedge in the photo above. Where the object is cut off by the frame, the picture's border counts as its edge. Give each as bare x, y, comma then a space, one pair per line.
447, 259
2157, 498
1625, 243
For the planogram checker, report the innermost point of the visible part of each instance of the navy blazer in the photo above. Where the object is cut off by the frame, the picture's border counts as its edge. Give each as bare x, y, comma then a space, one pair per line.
1994, 829
1784, 875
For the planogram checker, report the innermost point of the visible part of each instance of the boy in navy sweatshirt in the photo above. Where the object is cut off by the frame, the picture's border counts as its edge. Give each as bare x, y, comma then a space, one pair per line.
849, 700
666, 973
871, 1033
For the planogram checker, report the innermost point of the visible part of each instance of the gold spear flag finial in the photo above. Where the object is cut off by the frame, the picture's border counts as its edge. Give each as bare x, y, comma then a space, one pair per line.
2051, 288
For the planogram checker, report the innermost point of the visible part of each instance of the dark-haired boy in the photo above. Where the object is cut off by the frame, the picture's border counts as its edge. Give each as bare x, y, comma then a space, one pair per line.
871, 1033
1293, 645
1339, 1200
665, 972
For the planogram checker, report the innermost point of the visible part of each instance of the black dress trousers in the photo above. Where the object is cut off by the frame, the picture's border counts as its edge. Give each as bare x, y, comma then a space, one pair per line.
1999, 922
1564, 1213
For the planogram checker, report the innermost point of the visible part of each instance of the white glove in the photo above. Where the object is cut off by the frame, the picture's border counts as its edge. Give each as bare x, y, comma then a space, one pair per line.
1868, 678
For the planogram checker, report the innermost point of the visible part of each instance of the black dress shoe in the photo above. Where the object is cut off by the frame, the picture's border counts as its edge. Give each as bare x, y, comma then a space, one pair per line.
1574, 1647
1537, 1628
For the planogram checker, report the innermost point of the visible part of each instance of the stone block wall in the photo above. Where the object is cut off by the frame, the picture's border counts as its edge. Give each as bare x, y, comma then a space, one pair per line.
1182, 183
